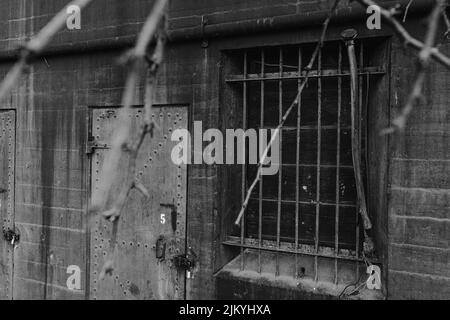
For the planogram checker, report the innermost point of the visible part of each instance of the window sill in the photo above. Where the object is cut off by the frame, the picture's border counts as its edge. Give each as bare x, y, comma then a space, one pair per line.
232, 283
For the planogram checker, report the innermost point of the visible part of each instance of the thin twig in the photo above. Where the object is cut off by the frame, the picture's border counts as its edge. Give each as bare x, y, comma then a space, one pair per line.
405, 36
399, 123
288, 111
36, 46
407, 9
155, 24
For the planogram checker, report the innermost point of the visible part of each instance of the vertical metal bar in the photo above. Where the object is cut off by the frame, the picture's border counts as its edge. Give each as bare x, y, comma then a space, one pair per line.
244, 171
338, 163
297, 162
260, 151
361, 61
319, 147
280, 172
366, 126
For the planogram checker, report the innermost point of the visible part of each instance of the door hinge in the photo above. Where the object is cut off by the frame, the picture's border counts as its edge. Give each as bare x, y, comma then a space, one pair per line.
93, 144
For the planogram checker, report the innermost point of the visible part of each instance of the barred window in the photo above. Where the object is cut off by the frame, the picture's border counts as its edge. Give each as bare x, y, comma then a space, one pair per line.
310, 206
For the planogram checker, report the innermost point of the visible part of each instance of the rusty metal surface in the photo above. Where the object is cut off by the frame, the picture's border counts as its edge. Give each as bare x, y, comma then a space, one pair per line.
144, 262
349, 13
7, 166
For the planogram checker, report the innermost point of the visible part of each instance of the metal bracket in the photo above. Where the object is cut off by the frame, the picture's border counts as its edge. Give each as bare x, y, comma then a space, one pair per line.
93, 144
173, 213
349, 35
205, 42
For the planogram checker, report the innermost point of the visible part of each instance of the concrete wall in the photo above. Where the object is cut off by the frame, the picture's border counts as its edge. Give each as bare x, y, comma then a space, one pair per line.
419, 206
51, 102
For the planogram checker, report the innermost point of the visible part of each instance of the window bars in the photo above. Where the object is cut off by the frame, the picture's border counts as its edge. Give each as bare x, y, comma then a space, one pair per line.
310, 207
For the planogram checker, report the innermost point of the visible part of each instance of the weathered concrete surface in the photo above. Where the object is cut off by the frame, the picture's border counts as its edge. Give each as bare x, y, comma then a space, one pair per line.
52, 169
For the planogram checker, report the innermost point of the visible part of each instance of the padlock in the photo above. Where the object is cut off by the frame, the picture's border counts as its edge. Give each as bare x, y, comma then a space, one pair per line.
374, 280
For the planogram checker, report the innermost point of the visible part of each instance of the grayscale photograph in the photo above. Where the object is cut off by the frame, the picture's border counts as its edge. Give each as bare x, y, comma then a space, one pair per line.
232, 156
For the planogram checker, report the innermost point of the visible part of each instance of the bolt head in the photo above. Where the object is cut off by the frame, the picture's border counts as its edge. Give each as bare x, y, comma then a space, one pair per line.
349, 34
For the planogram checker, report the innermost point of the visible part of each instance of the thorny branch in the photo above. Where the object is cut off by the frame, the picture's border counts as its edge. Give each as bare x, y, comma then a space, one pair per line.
135, 58
405, 36
415, 96
36, 46
288, 111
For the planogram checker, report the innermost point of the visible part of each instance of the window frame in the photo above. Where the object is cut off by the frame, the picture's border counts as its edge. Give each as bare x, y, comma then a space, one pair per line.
236, 245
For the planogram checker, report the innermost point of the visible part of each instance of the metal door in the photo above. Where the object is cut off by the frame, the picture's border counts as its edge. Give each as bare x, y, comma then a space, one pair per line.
152, 234
8, 232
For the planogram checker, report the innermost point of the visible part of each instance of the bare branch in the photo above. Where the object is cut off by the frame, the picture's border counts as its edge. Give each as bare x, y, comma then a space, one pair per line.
424, 59
36, 45
142, 189
135, 58
288, 111
156, 23
405, 36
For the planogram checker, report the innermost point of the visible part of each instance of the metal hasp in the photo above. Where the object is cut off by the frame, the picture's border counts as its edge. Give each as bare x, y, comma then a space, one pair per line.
93, 144
349, 36
185, 261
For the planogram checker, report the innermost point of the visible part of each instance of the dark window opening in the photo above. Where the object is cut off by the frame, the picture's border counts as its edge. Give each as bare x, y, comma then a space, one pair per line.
310, 206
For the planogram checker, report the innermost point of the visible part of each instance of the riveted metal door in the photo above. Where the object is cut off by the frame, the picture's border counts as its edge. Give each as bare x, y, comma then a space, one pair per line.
151, 230
8, 236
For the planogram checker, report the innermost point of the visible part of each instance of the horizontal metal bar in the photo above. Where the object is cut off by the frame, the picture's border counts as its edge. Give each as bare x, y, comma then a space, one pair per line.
307, 202
295, 76
353, 12
309, 250
345, 14
290, 128
305, 165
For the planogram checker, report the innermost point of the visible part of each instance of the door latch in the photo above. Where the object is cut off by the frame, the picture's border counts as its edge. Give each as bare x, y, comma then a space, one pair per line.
11, 236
